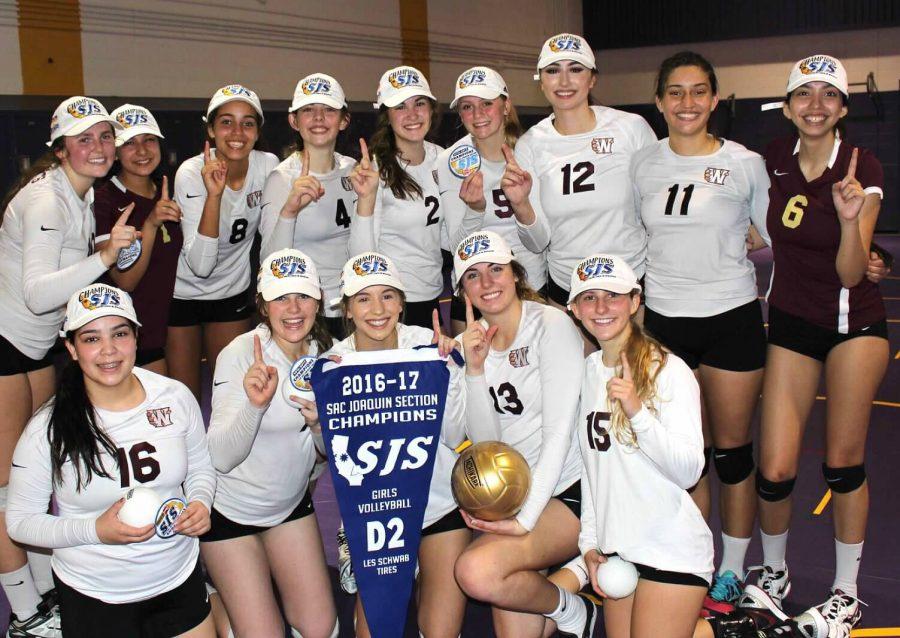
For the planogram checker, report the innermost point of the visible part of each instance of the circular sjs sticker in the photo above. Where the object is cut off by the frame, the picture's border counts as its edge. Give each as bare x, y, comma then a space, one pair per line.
464, 160
129, 255
168, 513
298, 381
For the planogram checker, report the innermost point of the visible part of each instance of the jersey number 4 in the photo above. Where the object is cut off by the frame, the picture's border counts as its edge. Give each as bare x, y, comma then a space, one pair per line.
341, 218
511, 402
597, 435
137, 463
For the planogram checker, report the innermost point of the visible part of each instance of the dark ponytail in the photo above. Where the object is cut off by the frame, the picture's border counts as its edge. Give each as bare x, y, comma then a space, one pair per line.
73, 432
386, 154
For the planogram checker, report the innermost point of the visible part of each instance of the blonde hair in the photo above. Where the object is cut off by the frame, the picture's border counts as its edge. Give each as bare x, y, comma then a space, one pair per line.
646, 357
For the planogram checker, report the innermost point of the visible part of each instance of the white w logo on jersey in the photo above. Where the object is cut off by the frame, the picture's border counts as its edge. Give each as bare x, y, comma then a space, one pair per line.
716, 175
602, 145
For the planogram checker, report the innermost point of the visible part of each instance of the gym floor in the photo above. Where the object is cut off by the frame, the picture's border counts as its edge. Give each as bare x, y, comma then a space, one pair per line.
810, 548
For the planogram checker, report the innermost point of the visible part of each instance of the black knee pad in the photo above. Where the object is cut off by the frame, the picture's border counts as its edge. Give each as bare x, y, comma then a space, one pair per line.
773, 491
707, 455
734, 464
844, 479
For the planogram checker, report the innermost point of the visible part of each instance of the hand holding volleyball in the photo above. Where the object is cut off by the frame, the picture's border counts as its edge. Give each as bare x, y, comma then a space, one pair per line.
113, 531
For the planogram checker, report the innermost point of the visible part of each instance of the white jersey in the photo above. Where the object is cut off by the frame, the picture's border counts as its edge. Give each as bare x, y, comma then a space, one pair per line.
321, 230
218, 268
440, 496
634, 501
697, 210
528, 398
46, 242
410, 231
264, 457
498, 217
582, 187
164, 444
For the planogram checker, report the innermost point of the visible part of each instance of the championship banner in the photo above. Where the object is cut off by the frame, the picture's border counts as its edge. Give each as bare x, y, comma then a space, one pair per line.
381, 415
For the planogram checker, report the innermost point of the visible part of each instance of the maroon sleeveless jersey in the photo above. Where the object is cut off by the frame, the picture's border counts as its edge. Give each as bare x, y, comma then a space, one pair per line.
153, 294
806, 233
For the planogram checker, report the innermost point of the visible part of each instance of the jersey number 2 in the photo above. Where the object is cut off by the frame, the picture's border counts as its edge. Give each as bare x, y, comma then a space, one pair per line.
138, 463
435, 203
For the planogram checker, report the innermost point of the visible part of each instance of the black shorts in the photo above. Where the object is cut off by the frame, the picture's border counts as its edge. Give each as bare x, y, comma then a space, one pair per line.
673, 578
571, 498
149, 356
447, 523
169, 614
223, 529
810, 339
193, 312
733, 340
12, 361
418, 313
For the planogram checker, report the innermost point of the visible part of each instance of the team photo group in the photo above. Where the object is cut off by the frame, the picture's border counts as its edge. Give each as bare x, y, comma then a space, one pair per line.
545, 449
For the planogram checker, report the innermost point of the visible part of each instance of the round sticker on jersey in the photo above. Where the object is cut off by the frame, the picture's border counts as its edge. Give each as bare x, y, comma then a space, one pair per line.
298, 381
464, 160
168, 513
129, 255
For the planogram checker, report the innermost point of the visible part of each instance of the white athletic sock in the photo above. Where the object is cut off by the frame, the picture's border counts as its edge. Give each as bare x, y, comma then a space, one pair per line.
774, 550
734, 550
39, 563
847, 566
570, 615
21, 593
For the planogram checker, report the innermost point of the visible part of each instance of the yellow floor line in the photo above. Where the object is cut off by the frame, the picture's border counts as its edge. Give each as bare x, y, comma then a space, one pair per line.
875, 631
886, 404
822, 504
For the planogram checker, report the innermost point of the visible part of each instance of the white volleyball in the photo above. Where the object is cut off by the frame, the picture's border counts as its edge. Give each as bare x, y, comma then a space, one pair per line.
617, 578
141, 506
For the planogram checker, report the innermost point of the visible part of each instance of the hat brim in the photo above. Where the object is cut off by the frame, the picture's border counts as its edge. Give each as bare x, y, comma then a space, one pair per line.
806, 79
358, 284
236, 98
484, 92
620, 288
290, 285
93, 315
583, 60
395, 99
133, 131
84, 124
327, 100
491, 258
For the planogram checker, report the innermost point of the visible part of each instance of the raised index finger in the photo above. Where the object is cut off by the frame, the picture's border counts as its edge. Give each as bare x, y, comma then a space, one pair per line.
305, 170
164, 190
364, 153
626, 369
851, 170
436, 324
206, 154
509, 155
257, 350
470, 314
123, 218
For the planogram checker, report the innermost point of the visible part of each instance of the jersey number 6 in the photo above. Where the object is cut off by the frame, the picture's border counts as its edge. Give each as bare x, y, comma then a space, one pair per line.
143, 468
793, 211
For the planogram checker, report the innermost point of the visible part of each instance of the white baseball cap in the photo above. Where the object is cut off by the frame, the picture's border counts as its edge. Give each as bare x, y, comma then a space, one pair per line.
368, 269
399, 84
482, 247
318, 88
95, 301
566, 46
819, 68
479, 81
231, 93
134, 120
76, 115
602, 272
288, 271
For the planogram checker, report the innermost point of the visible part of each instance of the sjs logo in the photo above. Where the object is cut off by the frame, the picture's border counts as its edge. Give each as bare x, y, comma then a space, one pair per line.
131, 118
565, 42
383, 456
596, 267
475, 245
403, 77
84, 108
290, 266
476, 76
99, 297
369, 265
235, 90
818, 64
316, 86
716, 175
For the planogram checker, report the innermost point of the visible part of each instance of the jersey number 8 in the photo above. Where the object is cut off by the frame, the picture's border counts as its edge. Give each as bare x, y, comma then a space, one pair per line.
793, 211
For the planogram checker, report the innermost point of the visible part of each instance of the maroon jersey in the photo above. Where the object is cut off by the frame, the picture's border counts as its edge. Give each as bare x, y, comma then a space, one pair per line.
806, 233
153, 294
